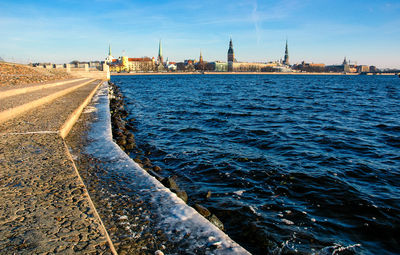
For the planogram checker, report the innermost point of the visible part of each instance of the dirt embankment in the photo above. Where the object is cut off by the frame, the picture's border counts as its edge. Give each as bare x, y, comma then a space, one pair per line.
17, 74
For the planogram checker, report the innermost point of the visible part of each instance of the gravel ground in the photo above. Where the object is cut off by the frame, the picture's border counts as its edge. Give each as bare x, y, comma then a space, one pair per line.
17, 74
43, 205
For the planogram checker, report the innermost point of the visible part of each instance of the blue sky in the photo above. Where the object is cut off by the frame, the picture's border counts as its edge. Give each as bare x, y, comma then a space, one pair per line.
319, 31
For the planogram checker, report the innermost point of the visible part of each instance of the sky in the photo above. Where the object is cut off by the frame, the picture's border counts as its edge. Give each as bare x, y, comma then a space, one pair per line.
318, 31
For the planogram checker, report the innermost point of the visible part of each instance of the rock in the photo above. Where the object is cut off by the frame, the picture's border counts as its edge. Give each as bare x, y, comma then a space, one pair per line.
214, 220
157, 168
202, 210
208, 195
130, 144
121, 141
158, 177
147, 162
182, 195
170, 183
158, 252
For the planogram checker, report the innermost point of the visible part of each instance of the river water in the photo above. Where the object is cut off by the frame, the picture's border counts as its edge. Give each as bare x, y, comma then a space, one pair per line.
295, 164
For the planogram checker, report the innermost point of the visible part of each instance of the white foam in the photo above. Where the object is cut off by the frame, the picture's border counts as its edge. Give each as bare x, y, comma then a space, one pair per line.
174, 216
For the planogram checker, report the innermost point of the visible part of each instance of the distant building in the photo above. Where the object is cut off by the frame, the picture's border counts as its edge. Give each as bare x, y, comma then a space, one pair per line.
363, 69
309, 67
286, 58
125, 64
218, 66
109, 57
172, 66
231, 56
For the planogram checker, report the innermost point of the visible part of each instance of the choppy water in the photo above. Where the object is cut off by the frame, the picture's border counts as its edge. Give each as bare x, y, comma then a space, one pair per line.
295, 164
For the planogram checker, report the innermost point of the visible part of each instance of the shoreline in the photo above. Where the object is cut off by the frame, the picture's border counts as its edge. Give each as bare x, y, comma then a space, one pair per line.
251, 73
141, 215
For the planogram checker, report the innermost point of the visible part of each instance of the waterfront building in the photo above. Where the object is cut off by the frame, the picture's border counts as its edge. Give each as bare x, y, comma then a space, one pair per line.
125, 64
231, 56
309, 67
363, 69
217, 66
172, 66
347, 67
373, 69
286, 58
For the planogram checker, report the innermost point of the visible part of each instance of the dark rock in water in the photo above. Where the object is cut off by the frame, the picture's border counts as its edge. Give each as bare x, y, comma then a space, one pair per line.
157, 168
208, 195
157, 176
130, 146
214, 220
121, 141
170, 183
118, 133
147, 162
137, 160
202, 210
182, 195
130, 140
124, 113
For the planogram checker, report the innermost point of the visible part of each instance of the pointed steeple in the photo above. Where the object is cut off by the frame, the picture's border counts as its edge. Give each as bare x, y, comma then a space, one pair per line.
230, 46
286, 49
160, 56
231, 56
286, 58
109, 57
201, 58
345, 61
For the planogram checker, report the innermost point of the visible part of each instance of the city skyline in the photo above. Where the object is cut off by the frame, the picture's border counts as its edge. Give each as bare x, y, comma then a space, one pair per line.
365, 32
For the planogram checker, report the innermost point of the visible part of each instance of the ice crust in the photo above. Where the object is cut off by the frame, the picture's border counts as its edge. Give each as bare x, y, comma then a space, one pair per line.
180, 221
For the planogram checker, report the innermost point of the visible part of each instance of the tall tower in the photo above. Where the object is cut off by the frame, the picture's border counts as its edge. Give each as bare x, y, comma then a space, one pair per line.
201, 58
231, 56
160, 56
286, 59
109, 57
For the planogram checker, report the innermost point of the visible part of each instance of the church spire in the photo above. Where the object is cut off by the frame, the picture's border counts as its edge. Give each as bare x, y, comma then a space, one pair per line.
286, 59
201, 57
109, 50
231, 56
160, 56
